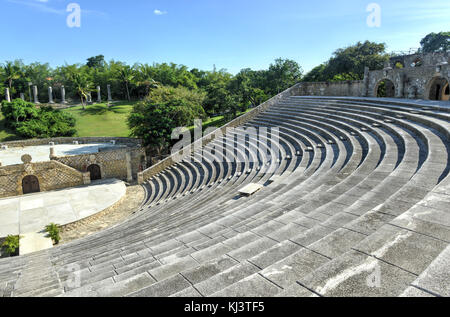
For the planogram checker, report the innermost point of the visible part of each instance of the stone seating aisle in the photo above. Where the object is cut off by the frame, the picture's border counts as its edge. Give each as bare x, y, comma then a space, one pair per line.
359, 190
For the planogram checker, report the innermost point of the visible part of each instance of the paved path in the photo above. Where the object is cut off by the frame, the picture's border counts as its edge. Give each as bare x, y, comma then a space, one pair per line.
31, 213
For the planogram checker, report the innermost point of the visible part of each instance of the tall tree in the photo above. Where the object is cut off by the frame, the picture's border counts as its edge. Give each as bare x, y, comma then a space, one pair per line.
283, 74
11, 72
126, 76
96, 61
436, 42
349, 62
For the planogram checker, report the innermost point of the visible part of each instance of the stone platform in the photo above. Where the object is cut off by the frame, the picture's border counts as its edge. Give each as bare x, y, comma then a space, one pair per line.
41, 153
31, 213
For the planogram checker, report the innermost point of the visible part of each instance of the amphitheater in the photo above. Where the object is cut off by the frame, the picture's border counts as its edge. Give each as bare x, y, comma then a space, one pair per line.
353, 201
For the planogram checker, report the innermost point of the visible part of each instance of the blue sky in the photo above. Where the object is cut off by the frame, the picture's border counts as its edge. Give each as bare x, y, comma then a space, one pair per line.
231, 34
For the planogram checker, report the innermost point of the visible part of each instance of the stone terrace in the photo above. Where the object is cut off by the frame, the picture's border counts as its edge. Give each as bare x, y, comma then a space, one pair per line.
358, 207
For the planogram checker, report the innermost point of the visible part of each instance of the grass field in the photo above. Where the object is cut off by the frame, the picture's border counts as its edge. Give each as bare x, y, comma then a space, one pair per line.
103, 121
5, 134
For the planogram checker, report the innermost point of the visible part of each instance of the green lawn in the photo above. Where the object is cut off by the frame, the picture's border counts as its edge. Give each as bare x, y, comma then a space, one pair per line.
5, 134
101, 120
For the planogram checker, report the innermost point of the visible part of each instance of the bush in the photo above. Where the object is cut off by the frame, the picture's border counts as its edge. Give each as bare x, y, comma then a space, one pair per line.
162, 111
28, 121
11, 245
18, 111
53, 232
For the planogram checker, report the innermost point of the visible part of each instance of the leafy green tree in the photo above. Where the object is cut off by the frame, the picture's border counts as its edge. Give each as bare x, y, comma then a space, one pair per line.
317, 74
165, 109
436, 42
18, 111
284, 73
82, 84
96, 61
11, 72
351, 60
247, 89
127, 75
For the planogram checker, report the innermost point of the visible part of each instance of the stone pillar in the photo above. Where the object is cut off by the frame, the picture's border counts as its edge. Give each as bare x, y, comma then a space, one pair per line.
7, 96
99, 95
400, 85
22, 96
52, 153
86, 178
35, 94
63, 95
140, 177
129, 170
366, 82
50, 95
109, 93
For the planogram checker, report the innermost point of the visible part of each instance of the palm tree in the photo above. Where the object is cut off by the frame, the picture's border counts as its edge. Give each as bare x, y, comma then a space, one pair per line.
127, 75
145, 77
83, 86
11, 72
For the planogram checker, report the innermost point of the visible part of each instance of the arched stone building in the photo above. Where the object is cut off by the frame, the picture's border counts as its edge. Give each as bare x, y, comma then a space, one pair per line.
422, 77
417, 76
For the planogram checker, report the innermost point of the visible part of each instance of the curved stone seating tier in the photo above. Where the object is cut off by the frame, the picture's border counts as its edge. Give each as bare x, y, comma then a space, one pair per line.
355, 189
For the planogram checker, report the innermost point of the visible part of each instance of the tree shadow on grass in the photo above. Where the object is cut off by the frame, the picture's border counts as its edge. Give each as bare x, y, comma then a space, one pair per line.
12, 136
101, 109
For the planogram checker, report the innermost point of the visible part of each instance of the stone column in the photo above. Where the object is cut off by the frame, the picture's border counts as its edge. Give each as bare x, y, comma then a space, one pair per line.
35, 94
50, 95
7, 96
401, 85
129, 170
89, 98
109, 93
366, 82
52, 153
63, 95
22, 96
99, 95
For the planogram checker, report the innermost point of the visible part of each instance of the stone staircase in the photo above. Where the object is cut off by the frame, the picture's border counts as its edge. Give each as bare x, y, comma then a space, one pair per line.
354, 203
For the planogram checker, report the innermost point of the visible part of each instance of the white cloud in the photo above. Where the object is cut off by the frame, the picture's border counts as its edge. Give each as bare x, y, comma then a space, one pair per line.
159, 12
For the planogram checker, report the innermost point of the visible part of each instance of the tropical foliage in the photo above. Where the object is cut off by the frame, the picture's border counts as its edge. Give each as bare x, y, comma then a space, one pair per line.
28, 121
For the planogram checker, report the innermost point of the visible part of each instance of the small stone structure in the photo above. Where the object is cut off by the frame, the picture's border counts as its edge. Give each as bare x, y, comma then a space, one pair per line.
51, 175
123, 162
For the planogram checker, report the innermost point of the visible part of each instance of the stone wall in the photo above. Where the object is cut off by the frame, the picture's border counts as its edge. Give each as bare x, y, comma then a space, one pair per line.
344, 88
52, 175
113, 163
86, 140
412, 83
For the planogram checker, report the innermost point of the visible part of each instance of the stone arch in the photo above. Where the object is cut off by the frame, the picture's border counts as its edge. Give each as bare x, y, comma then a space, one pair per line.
438, 89
385, 88
95, 171
30, 185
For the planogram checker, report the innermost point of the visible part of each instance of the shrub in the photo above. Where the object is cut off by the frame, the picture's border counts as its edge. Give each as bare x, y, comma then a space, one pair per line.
53, 231
28, 121
11, 245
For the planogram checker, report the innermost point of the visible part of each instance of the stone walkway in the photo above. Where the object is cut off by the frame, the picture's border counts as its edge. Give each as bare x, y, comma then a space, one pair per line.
31, 213
107, 218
